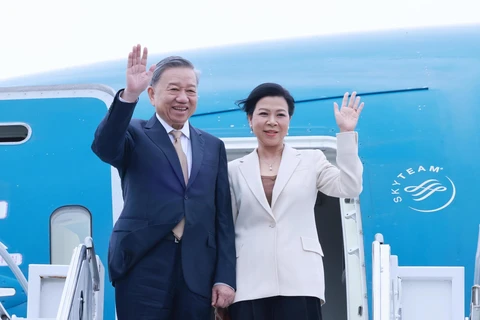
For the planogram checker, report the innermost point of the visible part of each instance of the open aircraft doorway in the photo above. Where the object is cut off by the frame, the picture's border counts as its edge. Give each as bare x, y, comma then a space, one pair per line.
339, 228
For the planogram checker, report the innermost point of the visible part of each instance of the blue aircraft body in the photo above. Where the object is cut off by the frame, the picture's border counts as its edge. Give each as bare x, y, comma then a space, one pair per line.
418, 141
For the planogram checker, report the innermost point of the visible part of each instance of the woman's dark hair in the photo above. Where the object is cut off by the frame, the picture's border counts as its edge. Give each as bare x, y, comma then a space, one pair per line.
266, 90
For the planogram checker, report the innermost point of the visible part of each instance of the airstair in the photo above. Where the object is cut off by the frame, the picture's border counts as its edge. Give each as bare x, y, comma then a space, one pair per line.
75, 291
420, 293
61, 292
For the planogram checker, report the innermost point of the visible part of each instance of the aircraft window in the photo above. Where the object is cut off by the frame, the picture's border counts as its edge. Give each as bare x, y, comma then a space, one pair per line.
69, 226
14, 133
3, 209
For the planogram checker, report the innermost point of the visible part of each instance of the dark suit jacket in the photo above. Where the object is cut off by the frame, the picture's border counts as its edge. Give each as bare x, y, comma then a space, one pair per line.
156, 198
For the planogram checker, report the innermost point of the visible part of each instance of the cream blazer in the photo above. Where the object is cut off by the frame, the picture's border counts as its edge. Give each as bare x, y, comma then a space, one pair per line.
278, 251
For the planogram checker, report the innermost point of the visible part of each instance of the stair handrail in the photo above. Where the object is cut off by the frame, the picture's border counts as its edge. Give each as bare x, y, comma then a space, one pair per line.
13, 266
475, 298
83, 262
3, 313
92, 259
66, 301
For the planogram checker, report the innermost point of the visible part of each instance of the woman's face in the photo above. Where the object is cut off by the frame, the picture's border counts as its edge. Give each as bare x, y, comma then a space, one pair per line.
270, 121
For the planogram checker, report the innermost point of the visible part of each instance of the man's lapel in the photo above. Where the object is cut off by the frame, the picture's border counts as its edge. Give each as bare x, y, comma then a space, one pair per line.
156, 132
198, 146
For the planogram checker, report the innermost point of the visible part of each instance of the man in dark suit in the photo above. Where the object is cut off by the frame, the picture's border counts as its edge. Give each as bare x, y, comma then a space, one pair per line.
172, 250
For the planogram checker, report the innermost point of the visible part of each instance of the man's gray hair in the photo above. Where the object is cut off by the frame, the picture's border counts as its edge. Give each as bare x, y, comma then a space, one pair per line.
172, 62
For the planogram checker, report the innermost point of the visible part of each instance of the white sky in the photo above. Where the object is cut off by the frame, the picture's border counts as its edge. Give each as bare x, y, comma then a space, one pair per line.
40, 35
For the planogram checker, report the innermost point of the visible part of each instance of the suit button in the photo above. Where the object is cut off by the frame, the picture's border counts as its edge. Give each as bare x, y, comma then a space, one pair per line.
186, 197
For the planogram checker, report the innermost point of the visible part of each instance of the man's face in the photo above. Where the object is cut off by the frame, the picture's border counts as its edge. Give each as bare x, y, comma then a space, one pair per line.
174, 96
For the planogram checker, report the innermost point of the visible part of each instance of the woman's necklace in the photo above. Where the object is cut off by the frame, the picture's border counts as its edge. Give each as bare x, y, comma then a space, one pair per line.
270, 164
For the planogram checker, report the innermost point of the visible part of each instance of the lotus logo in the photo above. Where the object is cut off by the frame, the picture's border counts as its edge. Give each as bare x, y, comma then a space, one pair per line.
424, 190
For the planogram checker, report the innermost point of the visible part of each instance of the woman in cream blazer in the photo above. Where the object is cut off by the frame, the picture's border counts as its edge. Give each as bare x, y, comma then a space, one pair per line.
279, 258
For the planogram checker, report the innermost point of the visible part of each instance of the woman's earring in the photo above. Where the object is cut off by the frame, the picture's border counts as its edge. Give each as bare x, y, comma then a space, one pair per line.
251, 130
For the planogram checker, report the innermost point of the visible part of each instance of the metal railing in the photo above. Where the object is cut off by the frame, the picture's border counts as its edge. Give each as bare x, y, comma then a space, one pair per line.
83, 280
3, 313
475, 299
92, 258
13, 266
18, 274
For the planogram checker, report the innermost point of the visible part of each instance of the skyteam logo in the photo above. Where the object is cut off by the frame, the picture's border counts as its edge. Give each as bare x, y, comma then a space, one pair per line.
424, 189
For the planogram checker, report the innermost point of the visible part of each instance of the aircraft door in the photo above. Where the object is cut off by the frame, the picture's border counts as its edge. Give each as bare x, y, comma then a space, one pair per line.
54, 191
